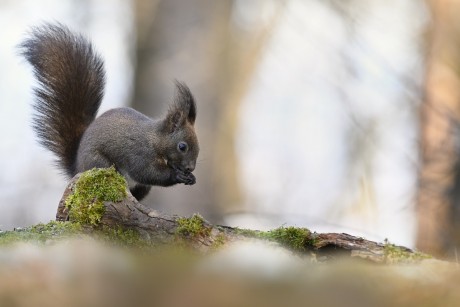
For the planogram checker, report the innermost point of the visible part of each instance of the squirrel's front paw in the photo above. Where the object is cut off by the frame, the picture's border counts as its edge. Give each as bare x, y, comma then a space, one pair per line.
191, 179
185, 178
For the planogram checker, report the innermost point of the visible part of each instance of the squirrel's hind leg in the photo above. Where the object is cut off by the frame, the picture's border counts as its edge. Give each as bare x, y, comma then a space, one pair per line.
139, 191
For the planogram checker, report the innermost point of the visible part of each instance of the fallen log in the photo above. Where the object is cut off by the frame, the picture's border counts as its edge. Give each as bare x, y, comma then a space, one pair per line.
157, 228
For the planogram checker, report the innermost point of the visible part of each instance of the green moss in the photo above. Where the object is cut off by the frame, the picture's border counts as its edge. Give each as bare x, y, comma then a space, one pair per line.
218, 242
294, 238
398, 254
123, 237
41, 233
192, 227
86, 203
247, 232
55, 231
55, 228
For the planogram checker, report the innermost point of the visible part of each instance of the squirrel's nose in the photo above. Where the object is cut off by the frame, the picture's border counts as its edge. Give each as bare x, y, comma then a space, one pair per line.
190, 167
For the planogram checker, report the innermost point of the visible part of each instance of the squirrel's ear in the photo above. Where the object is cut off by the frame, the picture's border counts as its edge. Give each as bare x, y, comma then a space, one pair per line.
182, 109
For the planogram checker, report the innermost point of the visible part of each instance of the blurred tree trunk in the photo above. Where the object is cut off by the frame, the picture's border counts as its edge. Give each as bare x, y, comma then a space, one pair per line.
196, 42
438, 229
184, 40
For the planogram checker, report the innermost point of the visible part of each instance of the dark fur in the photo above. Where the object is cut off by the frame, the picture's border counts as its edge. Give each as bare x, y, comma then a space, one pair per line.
71, 82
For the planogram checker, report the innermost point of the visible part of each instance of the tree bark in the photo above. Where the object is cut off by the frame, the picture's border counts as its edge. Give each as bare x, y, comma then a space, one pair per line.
438, 230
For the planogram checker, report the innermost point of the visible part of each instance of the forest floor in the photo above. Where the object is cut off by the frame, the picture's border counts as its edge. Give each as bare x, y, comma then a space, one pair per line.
61, 264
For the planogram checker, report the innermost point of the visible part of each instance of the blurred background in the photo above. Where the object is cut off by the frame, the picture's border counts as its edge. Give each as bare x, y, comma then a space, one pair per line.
338, 115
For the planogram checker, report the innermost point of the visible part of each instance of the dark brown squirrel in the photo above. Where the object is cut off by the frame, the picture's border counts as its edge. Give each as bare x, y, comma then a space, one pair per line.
71, 80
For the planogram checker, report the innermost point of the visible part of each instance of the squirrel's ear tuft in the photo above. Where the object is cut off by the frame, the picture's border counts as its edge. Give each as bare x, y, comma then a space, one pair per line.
182, 109
185, 101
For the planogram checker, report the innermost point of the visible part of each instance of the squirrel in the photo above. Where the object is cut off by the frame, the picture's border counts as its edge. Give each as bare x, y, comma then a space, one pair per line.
71, 80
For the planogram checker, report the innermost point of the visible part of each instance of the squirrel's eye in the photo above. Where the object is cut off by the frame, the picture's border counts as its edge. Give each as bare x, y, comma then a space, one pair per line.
182, 146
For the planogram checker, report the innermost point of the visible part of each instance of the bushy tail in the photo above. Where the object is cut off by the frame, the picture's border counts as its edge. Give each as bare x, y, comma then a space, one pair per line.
71, 82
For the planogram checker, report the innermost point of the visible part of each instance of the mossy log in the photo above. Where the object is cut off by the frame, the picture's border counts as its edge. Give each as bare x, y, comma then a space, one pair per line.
157, 228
